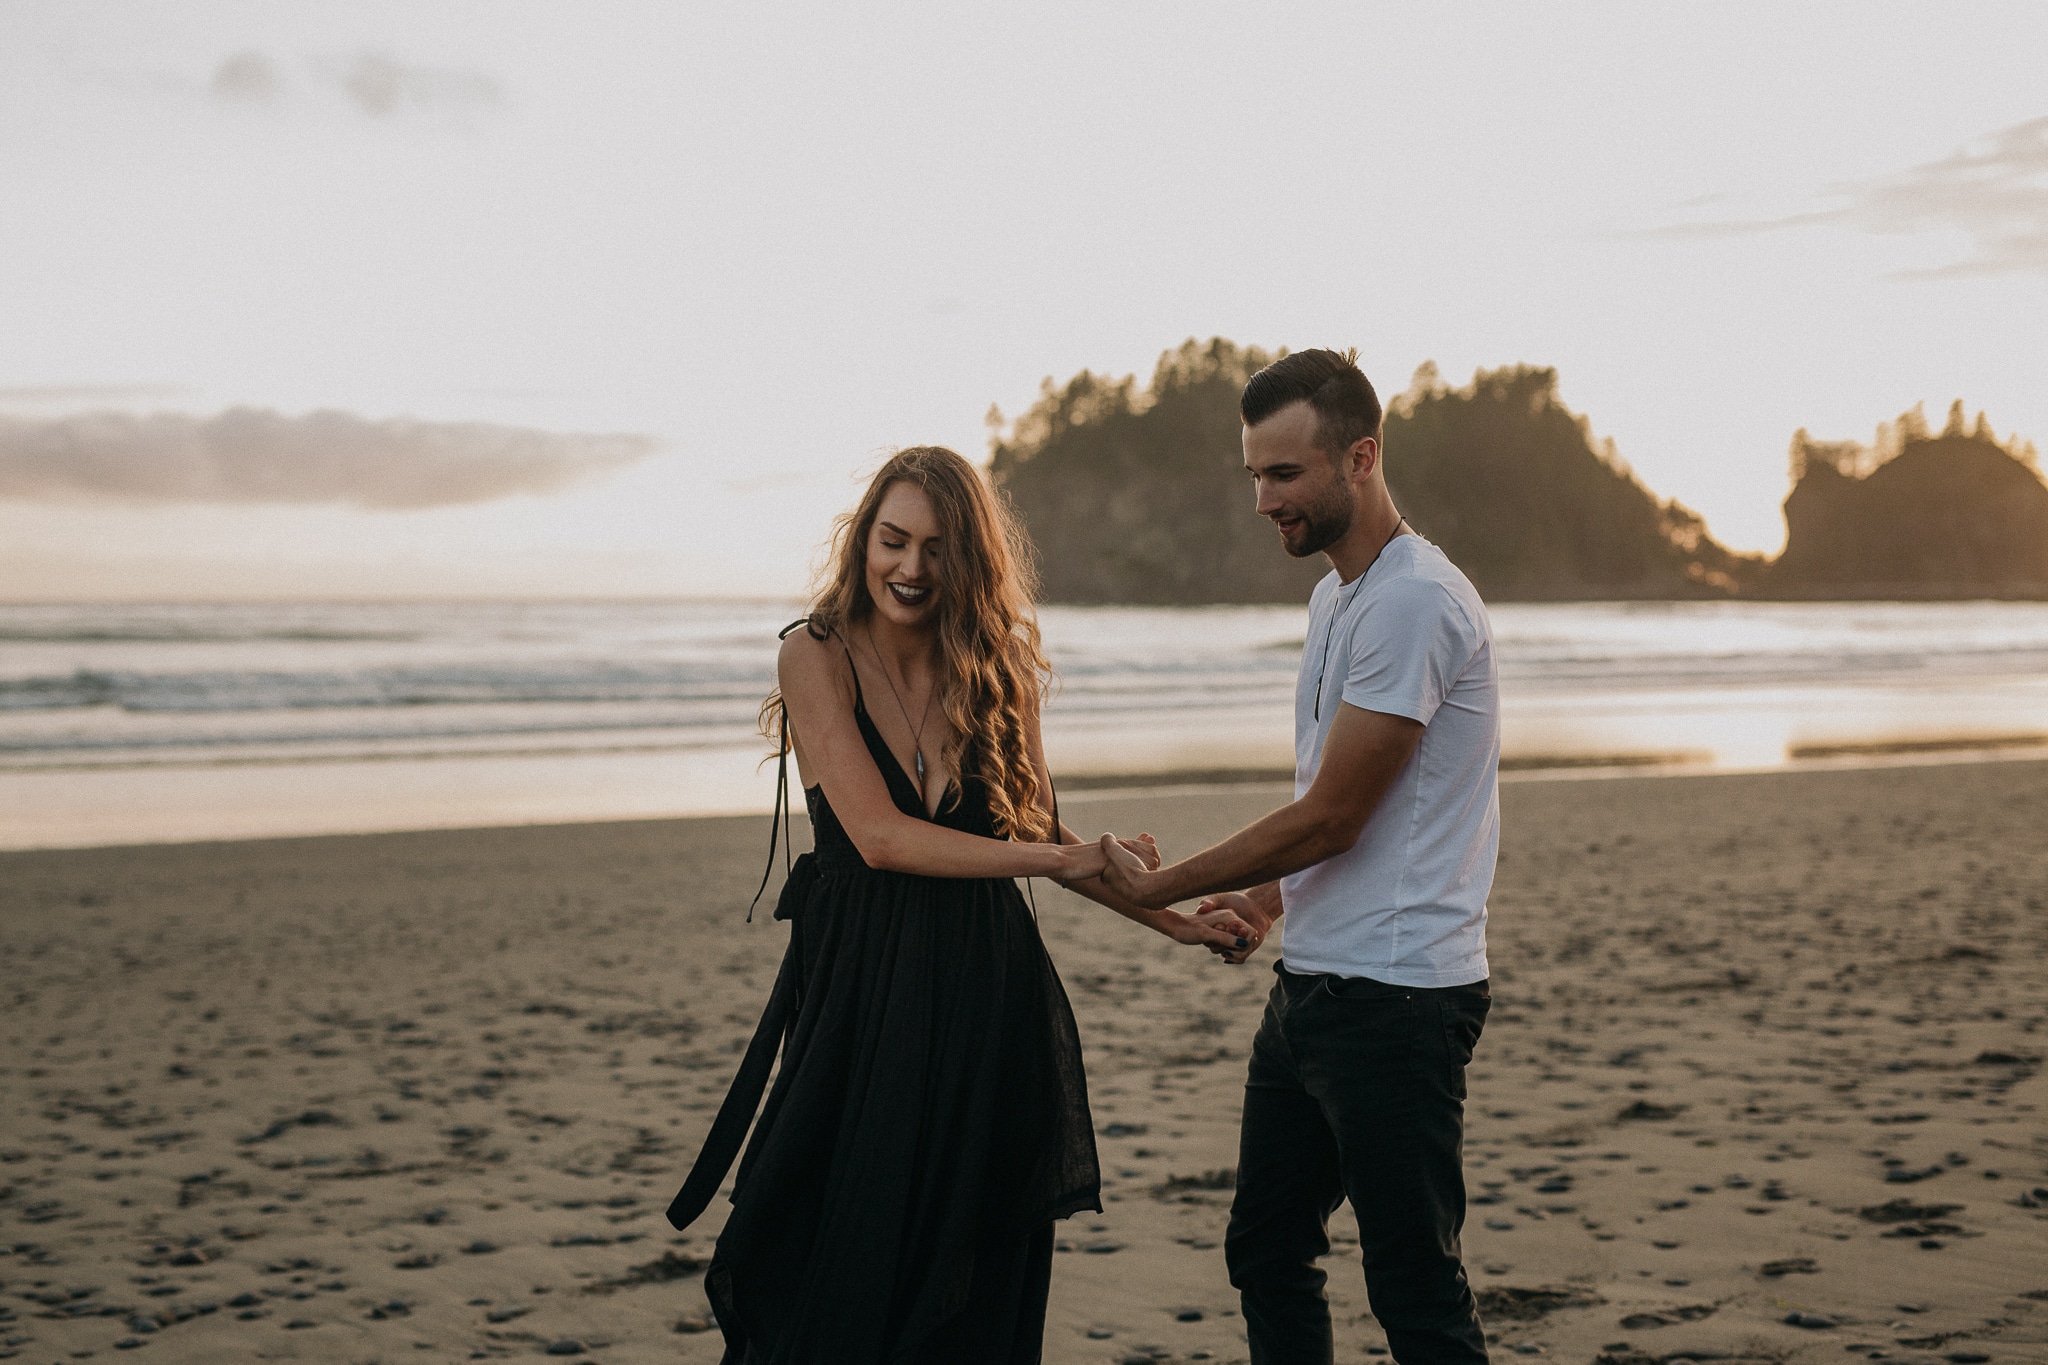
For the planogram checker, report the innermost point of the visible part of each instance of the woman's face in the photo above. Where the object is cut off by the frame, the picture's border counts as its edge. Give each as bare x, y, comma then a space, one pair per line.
903, 561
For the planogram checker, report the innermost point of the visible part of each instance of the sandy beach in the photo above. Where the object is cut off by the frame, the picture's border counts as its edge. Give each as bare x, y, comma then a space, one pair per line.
1762, 1082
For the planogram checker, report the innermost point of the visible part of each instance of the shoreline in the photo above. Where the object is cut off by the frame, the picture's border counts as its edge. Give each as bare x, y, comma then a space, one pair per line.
1182, 783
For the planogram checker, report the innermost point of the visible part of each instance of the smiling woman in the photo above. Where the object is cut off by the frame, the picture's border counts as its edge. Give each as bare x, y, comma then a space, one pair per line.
890, 554
929, 1120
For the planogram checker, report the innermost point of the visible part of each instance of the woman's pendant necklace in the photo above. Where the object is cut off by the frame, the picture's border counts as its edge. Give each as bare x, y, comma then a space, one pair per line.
917, 730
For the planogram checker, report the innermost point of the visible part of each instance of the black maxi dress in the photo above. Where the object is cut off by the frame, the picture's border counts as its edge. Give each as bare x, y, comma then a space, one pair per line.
928, 1124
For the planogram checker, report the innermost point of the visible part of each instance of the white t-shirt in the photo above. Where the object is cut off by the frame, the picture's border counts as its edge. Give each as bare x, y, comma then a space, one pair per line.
1406, 904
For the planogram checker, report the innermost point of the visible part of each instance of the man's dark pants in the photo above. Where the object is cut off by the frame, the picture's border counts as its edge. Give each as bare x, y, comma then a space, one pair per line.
1356, 1090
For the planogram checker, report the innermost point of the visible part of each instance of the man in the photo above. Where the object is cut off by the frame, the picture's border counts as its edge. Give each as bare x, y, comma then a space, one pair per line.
1381, 865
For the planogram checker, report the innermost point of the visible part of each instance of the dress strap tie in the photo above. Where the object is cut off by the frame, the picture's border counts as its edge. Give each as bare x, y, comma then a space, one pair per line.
778, 817
736, 1115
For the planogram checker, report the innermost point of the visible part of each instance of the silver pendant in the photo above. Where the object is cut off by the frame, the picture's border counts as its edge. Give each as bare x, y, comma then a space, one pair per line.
920, 767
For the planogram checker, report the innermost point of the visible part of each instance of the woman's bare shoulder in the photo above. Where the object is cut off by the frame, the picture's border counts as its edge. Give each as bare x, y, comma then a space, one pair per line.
806, 661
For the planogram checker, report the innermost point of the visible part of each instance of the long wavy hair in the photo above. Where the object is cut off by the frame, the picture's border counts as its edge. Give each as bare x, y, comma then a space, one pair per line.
993, 672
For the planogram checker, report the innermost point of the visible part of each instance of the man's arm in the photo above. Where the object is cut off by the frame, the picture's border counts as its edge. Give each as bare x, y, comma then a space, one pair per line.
1221, 934
1262, 905
1365, 752
1226, 934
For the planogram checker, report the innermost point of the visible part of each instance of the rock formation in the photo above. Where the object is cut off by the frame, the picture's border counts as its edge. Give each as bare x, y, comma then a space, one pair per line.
1142, 497
1954, 515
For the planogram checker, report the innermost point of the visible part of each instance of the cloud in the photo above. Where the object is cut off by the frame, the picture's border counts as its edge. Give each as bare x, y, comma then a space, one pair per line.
247, 78
250, 455
381, 85
374, 81
1993, 190
40, 394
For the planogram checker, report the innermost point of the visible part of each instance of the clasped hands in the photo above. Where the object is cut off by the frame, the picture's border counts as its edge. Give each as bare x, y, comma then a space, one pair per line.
1229, 924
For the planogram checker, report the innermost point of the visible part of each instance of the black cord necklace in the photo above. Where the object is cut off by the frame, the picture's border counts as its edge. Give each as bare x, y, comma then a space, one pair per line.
1337, 612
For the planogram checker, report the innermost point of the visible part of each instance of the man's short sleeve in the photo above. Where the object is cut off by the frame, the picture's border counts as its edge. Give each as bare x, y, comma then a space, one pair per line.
1408, 644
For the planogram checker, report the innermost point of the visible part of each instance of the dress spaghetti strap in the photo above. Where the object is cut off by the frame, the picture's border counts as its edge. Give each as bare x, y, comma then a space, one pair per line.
779, 822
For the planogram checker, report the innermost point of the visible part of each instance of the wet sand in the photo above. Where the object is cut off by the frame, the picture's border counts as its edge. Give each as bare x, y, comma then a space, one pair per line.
1763, 1048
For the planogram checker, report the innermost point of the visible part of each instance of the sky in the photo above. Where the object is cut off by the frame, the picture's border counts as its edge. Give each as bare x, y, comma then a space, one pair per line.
513, 299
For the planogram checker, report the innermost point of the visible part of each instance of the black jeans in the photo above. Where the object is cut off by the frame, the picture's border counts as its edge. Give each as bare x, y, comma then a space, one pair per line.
1356, 1090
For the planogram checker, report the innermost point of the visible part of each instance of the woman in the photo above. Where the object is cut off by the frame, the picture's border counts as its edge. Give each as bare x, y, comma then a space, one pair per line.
930, 1121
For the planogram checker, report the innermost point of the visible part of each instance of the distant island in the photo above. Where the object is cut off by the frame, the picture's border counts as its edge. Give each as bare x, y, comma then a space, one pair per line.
1140, 497
1917, 515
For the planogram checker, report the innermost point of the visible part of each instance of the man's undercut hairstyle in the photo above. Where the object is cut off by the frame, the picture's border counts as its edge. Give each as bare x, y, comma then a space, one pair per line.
1347, 410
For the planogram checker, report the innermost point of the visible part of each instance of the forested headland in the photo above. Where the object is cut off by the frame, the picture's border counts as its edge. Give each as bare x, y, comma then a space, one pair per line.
1139, 496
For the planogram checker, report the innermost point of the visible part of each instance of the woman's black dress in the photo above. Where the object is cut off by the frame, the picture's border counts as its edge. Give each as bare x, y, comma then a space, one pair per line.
928, 1123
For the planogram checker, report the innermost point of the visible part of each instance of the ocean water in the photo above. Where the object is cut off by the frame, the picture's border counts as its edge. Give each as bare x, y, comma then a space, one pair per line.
196, 721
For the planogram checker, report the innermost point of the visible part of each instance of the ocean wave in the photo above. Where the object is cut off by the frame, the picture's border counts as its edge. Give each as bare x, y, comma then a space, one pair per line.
279, 678
177, 634
392, 687
1090, 682
374, 730
1618, 670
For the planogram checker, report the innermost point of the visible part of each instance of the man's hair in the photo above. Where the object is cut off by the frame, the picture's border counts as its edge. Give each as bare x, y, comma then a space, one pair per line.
1330, 382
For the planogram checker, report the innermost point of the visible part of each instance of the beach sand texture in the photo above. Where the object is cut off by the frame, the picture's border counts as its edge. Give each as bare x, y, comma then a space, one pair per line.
1763, 1047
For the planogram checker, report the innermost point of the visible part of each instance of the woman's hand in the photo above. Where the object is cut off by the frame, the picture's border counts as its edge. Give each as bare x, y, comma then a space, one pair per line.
1079, 862
1222, 933
1087, 860
1234, 908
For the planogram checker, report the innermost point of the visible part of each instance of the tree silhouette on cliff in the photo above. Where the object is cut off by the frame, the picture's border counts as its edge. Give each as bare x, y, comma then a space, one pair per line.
1914, 514
1141, 497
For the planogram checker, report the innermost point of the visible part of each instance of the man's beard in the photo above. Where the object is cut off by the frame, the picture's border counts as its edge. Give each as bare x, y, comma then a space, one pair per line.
1322, 525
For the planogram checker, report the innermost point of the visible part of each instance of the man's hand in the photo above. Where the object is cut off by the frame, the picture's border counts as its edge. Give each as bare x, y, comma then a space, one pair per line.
1221, 924
1235, 908
1126, 874
1145, 848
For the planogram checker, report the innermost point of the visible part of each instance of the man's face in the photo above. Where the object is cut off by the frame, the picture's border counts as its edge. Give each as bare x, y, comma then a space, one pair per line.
1303, 491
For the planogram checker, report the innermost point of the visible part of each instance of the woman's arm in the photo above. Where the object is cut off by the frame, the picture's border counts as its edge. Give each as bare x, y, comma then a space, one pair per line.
818, 689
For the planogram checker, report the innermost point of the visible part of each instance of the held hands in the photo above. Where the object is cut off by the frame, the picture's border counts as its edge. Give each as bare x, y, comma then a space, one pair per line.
1144, 848
1221, 932
1125, 873
1082, 861
1230, 924
1235, 908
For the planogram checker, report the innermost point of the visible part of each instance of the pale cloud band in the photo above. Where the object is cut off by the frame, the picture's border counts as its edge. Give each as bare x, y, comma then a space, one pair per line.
1993, 190
251, 455
376, 82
